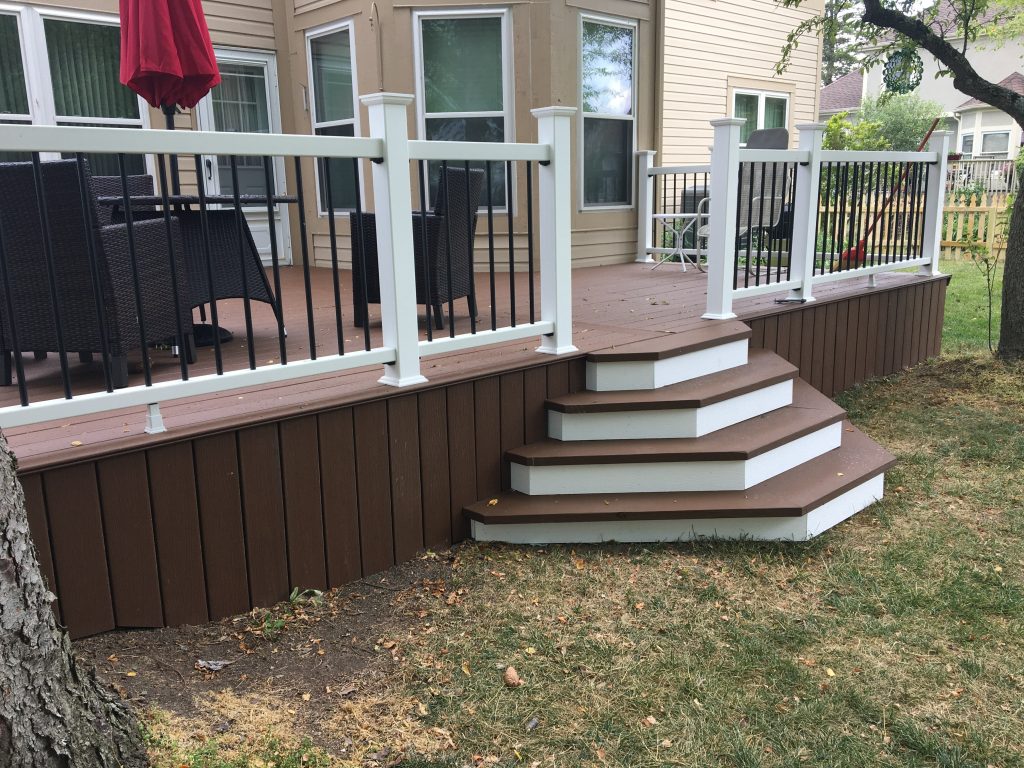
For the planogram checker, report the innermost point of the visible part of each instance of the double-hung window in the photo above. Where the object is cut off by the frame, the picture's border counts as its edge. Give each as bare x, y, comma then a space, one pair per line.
967, 146
608, 100
73, 61
332, 85
761, 109
995, 144
463, 79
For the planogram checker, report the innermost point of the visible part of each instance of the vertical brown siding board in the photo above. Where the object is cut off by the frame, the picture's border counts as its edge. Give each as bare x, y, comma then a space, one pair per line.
35, 508
558, 379
462, 454
884, 334
340, 499
536, 416
179, 543
406, 501
913, 326
303, 505
771, 333
899, 357
933, 312
577, 374
131, 544
376, 528
807, 344
259, 461
921, 324
860, 365
941, 288
846, 344
892, 311
435, 469
874, 336
220, 518
487, 413
784, 335
511, 398
757, 333
827, 365
79, 551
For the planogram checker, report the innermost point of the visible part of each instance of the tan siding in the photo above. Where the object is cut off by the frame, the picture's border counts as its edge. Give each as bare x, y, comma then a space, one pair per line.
712, 48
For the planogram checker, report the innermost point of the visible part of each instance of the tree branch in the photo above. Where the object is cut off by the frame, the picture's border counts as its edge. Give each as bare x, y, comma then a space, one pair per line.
965, 78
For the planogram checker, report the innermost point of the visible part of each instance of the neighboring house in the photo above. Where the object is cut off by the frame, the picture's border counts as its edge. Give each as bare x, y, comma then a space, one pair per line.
987, 133
644, 74
993, 61
844, 94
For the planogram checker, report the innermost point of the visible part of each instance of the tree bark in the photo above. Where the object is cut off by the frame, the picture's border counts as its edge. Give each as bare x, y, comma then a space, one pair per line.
53, 712
1011, 334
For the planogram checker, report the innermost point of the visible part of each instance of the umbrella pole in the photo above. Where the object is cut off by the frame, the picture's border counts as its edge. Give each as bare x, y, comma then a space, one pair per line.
169, 112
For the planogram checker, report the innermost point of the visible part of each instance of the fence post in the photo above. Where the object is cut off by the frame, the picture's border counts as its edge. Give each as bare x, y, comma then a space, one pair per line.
644, 204
935, 201
725, 171
805, 212
392, 189
554, 128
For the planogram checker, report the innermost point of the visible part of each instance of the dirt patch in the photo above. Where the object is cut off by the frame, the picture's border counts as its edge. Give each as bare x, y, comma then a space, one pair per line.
313, 668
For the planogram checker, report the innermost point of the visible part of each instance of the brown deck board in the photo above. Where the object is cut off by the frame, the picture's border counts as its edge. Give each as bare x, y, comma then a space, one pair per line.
434, 469
300, 473
406, 504
340, 498
259, 462
373, 474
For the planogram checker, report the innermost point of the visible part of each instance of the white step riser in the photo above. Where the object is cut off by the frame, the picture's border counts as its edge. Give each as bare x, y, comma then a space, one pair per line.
751, 528
652, 374
669, 422
654, 477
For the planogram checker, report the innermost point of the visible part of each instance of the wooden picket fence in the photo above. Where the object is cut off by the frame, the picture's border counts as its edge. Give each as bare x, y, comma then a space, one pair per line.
972, 222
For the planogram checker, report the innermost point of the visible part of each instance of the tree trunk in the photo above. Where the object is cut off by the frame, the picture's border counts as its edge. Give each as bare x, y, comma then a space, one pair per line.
53, 713
1011, 333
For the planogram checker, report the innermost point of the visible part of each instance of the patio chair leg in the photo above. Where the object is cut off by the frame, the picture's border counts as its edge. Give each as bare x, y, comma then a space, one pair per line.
6, 368
190, 348
438, 317
85, 357
119, 371
472, 305
39, 355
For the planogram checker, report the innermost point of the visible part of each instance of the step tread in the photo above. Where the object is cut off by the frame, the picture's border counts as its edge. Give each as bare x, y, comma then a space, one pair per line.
763, 369
714, 333
792, 494
809, 412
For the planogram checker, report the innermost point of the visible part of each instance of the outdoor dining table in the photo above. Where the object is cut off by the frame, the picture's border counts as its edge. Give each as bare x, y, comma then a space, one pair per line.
212, 252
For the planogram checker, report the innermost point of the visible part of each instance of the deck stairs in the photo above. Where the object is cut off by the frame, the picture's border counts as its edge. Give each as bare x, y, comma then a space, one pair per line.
686, 436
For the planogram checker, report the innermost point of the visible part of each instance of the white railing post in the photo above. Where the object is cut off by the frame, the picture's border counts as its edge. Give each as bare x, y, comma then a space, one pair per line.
935, 201
392, 187
805, 212
644, 204
725, 170
554, 128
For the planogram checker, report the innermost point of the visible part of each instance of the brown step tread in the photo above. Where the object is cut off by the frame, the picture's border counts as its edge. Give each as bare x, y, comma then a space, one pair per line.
712, 334
809, 412
763, 369
791, 494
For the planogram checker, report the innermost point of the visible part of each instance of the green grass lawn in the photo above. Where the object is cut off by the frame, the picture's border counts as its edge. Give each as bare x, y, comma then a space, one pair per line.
896, 639
966, 326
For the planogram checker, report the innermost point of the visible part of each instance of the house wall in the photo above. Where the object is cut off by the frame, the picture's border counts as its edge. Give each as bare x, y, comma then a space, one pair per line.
711, 49
978, 122
991, 62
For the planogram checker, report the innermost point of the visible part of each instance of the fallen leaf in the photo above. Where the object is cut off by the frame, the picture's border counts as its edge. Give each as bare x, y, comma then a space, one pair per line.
649, 721
666, 743
465, 668
529, 650
512, 678
132, 674
212, 666
830, 672
75, 443
492, 503
306, 697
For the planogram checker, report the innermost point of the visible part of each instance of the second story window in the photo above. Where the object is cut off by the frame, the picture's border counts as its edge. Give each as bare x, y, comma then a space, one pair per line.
463, 78
332, 87
608, 100
760, 109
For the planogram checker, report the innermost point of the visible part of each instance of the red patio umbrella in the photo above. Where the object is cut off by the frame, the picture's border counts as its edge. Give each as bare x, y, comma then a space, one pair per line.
166, 54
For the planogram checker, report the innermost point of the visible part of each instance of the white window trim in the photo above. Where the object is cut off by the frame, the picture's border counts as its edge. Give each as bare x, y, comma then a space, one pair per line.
633, 26
963, 138
981, 154
507, 81
355, 122
761, 96
42, 106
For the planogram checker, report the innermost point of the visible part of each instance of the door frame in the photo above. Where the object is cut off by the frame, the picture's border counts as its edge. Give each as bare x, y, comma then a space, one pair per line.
205, 121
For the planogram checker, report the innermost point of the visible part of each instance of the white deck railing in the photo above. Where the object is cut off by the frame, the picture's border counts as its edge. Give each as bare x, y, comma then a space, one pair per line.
838, 215
400, 349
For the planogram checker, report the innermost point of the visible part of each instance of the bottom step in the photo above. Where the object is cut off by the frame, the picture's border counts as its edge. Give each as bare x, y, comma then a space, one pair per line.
794, 506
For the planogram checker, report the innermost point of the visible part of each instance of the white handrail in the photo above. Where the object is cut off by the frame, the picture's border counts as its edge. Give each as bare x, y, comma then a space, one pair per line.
478, 151
675, 169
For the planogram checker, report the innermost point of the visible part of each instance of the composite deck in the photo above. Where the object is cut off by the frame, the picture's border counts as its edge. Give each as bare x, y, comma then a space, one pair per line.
611, 305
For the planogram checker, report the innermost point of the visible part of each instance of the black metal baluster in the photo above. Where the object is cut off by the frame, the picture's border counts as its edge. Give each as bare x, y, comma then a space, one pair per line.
147, 372
824, 219
362, 250
94, 270
208, 258
303, 233
761, 229
275, 259
470, 237
428, 273
15, 351
875, 221
844, 194
51, 277
509, 195
490, 247
448, 246
242, 260
750, 221
529, 237
183, 346
904, 198
783, 196
925, 200
325, 174
860, 252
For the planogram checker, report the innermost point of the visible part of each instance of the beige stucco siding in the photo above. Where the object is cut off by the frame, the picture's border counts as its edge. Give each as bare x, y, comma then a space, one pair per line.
713, 48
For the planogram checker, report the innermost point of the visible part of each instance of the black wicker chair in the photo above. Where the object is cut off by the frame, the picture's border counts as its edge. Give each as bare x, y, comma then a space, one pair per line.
431, 248
110, 186
70, 229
